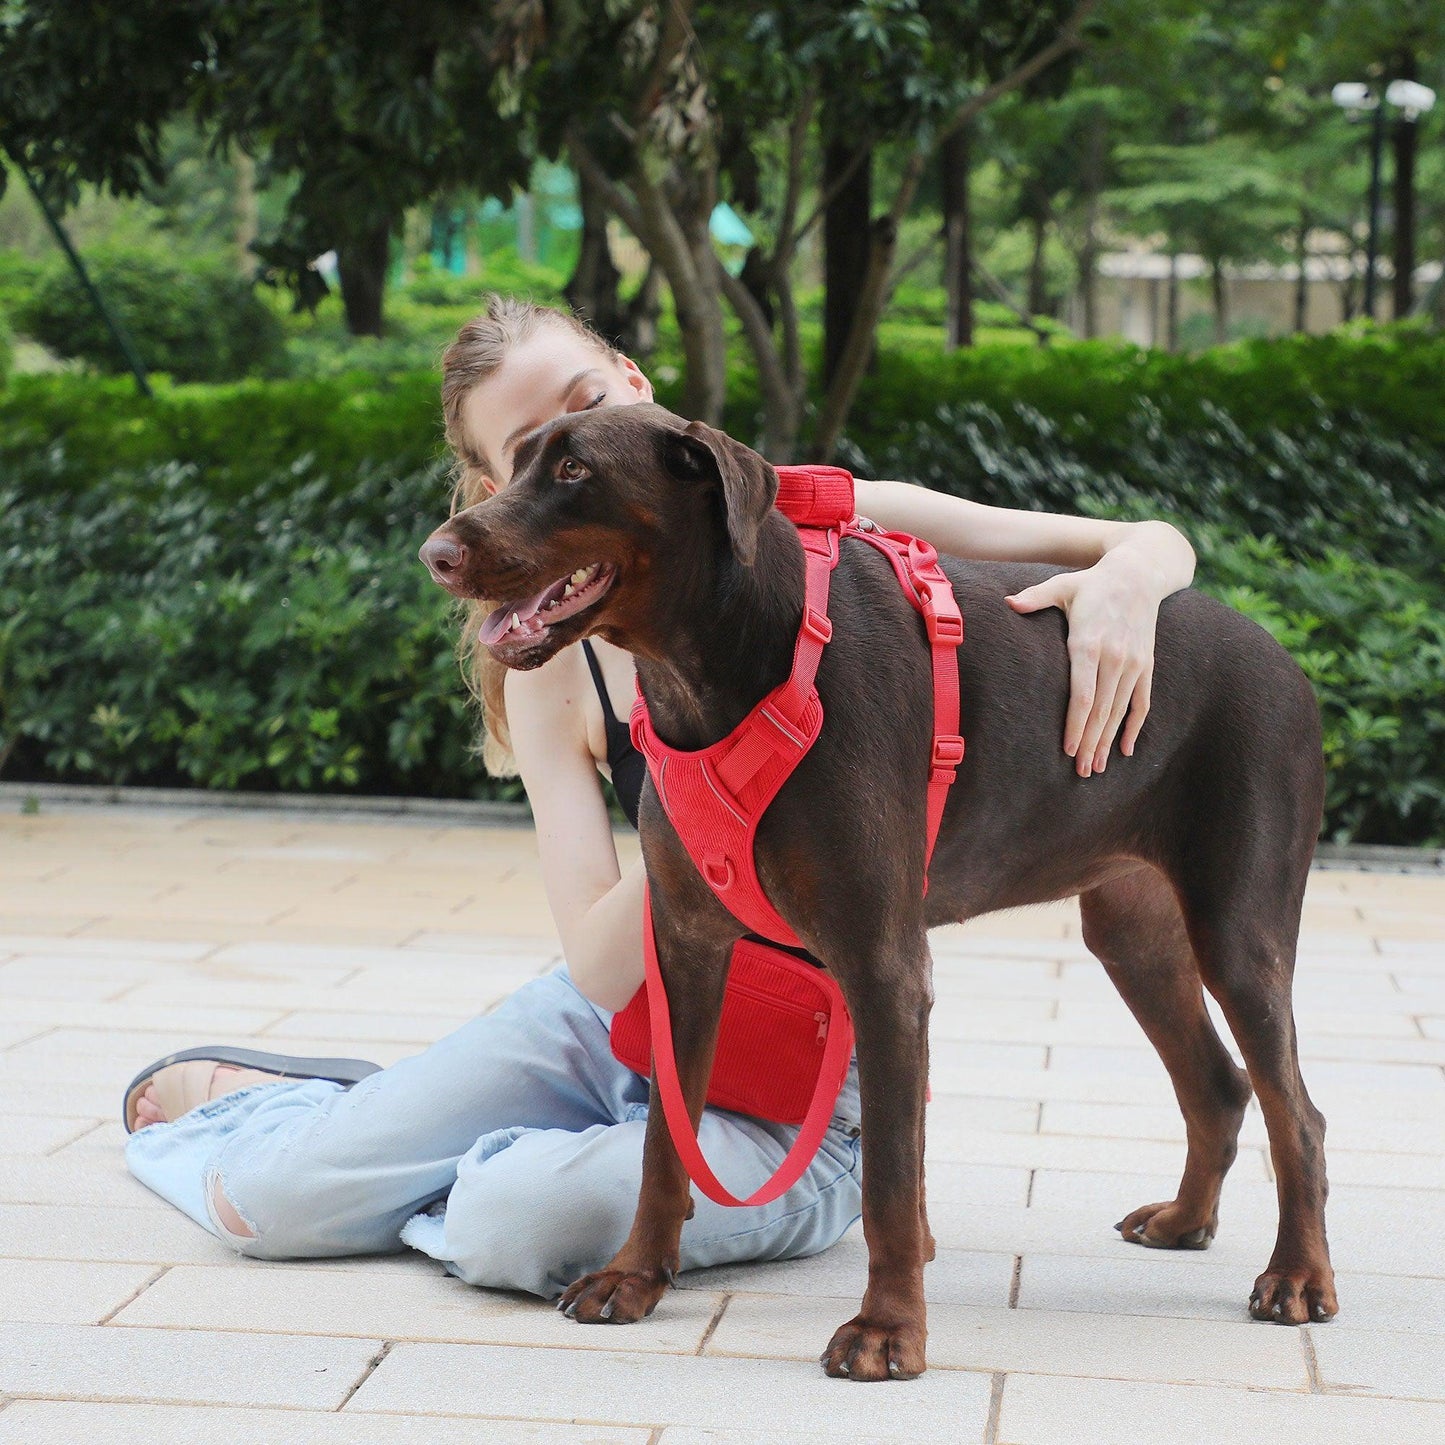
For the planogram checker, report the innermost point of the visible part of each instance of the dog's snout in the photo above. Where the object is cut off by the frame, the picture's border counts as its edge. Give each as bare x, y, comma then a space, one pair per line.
445, 557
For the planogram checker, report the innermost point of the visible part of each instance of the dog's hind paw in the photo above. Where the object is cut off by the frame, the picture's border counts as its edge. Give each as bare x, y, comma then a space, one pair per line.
865, 1350
1295, 1296
613, 1297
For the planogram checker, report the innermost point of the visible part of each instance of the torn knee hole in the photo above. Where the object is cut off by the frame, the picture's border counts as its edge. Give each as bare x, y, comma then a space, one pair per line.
226, 1215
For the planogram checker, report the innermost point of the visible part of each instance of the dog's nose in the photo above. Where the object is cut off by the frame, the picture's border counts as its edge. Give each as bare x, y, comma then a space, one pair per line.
445, 557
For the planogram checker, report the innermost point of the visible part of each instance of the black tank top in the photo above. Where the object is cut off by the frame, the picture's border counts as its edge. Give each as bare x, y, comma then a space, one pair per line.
628, 765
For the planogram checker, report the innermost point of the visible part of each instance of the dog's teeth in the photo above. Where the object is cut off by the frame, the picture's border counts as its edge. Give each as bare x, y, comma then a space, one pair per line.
516, 619
566, 591
579, 576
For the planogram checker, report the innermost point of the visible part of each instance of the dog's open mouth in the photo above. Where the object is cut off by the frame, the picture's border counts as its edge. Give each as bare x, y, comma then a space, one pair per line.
521, 621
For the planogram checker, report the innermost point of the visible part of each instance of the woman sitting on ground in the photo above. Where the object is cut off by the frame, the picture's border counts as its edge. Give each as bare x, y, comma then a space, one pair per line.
511, 1149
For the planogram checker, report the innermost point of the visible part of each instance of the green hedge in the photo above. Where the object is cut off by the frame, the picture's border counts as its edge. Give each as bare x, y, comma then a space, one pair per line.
153, 633
237, 436
1372, 641
1392, 374
220, 586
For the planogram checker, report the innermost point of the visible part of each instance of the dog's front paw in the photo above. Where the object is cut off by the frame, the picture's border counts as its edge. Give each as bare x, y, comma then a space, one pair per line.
613, 1296
1295, 1296
1169, 1226
867, 1349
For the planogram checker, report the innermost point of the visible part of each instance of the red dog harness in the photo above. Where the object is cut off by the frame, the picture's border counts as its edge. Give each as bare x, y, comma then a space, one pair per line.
716, 797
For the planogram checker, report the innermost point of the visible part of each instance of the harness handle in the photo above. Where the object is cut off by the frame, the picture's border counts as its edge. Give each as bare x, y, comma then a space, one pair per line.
836, 1053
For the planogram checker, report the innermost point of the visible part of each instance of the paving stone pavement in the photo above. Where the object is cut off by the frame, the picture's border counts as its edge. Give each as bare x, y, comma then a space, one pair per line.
129, 931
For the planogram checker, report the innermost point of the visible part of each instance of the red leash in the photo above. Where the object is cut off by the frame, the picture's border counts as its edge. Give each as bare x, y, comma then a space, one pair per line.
833, 1071
716, 797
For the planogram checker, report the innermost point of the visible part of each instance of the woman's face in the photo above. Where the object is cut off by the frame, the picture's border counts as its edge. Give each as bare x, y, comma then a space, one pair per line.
553, 372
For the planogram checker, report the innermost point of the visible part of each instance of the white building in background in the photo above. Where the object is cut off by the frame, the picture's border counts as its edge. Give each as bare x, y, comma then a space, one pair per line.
1132, 296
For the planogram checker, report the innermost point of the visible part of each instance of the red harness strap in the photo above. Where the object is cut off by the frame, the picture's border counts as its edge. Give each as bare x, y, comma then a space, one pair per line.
716, 797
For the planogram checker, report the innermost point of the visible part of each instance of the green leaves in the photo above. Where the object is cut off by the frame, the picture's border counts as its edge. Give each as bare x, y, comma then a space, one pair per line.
1306, 472
160, 631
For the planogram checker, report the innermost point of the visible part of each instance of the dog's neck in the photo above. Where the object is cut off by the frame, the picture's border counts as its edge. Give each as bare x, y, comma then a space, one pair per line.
722, 639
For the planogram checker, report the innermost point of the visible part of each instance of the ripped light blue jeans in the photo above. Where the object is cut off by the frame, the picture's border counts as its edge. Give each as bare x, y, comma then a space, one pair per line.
510, 1150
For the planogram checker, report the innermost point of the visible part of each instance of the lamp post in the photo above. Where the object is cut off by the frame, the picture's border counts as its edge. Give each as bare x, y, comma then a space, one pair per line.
1412, 100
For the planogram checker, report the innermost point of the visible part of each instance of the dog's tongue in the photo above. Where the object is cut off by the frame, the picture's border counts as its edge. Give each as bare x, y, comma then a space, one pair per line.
500, 621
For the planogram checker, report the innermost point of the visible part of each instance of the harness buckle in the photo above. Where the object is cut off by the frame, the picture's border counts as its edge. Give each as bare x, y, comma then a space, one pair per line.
942, 626
818, 625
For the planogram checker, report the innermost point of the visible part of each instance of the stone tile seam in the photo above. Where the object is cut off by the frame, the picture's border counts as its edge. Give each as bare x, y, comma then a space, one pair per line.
404, 1344
29, 1039
366, 1374
75, 1138
713, 1323
1312, 1362
995, 1407
134, 1295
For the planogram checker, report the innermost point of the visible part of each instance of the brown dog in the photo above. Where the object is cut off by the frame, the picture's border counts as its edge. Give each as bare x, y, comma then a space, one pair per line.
1190, 859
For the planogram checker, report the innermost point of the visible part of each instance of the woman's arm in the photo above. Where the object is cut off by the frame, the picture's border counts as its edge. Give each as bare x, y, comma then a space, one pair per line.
597, 908
1128, 569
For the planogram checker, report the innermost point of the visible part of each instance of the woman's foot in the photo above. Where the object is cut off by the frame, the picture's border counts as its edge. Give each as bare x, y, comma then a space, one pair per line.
225, 1079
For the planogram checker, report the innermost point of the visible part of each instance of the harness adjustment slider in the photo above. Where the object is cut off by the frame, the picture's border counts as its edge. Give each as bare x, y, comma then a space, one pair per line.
818, 625
947, 751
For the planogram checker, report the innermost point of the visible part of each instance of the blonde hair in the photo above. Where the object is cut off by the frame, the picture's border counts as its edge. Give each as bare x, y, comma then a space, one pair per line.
477, 353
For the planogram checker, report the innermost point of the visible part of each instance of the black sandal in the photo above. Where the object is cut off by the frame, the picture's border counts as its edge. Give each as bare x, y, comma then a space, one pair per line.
198, 1082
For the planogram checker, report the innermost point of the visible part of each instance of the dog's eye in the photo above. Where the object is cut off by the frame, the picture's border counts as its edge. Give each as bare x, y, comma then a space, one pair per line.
569, 469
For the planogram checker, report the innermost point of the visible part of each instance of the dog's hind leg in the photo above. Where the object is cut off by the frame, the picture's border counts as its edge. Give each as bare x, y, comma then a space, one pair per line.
1245, 941
1134, 926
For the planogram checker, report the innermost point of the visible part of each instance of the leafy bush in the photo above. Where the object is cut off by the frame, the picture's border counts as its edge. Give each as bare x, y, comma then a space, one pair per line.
1340, 481
19, 276
154, 633
220, 585
67, 431
197, 322
1091, 389
1372, 641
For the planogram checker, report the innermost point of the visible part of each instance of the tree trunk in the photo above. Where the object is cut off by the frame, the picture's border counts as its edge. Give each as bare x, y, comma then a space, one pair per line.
1088, 256
756, 275
1349, 302
1171, 312
680, 244
1038, 301
639, 322
883, 242
704, 349
246, 211
361, 265
1221, 302
668, 211
592, 290
1405, 142
845, 243
953, 160
1302, 280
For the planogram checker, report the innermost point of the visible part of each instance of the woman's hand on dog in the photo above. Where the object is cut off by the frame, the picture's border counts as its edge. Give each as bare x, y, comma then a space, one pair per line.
1111, 609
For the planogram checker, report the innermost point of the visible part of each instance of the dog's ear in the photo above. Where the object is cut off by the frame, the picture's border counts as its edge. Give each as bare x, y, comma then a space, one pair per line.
749, 485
